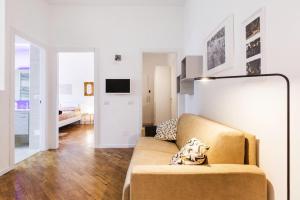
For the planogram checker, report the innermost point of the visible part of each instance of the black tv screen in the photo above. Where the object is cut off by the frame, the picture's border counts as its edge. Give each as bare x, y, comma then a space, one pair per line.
117, 85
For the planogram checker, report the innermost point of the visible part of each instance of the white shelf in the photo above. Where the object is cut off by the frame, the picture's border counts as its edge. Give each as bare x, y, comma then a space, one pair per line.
191, 67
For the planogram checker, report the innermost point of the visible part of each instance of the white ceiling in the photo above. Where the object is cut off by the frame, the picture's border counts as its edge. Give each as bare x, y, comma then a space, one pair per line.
120, 2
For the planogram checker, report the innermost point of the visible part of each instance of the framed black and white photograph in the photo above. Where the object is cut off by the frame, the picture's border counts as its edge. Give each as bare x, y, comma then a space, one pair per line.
253, 28
216, 50
118, 57
254, 67
219, 47
254, 43
253, 48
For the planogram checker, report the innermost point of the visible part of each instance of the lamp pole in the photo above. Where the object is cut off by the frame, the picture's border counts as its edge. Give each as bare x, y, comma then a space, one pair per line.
288, 111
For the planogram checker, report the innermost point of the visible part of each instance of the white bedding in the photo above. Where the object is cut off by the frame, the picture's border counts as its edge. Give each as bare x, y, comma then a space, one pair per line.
69, 116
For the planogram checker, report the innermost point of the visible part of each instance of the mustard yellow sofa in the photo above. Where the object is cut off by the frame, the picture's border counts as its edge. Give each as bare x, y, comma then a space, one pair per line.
230, 173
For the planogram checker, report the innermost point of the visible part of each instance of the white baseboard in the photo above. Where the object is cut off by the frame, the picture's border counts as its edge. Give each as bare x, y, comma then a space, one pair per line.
5, 171
115, 146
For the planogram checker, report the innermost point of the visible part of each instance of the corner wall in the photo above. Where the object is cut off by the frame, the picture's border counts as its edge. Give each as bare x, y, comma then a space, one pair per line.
257, 106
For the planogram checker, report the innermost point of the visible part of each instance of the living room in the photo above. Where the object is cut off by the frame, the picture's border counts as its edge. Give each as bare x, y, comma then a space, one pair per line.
130, 29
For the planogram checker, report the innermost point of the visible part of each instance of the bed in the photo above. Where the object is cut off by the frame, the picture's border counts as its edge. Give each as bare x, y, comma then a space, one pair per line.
68, 115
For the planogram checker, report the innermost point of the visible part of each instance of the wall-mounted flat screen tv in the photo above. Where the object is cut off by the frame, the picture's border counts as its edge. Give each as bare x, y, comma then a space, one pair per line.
121, 86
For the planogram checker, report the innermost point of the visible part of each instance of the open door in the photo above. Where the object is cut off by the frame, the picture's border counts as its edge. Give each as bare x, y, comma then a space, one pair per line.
27, 117
35, 99
159, 95
162, 94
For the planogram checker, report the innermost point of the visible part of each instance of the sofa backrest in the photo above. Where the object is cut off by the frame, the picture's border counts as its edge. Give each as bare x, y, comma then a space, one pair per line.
227, 145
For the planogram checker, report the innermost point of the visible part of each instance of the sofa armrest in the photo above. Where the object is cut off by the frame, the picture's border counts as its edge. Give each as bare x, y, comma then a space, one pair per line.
211, 182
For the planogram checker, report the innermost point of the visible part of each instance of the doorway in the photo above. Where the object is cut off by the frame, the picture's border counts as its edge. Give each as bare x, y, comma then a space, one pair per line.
28, 126
159, 88
76, 96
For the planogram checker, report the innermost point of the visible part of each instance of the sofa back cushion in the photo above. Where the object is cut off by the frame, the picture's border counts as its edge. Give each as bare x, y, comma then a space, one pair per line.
227, 145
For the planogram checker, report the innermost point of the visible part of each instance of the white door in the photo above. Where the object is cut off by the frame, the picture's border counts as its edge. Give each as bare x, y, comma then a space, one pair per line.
148, 105
27, 119
162, 94
35, 98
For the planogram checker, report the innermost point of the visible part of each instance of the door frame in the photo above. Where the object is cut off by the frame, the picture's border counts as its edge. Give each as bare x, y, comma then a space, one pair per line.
96, 90
43, 91
178, 54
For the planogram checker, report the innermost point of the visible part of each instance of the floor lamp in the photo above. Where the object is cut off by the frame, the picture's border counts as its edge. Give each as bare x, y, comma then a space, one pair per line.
288, 110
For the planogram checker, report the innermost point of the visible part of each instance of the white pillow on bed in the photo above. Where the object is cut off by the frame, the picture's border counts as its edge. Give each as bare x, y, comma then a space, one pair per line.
69, 109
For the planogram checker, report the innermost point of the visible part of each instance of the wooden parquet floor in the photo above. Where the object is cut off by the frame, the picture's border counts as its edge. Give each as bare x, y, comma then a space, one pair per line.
75, 171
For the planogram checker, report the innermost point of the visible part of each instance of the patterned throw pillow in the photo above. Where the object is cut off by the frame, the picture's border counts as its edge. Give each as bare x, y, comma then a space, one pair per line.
192, 153
167, 130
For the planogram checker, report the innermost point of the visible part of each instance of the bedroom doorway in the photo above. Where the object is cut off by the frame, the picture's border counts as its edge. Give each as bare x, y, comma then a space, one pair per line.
159, 89
28, 120
76, 96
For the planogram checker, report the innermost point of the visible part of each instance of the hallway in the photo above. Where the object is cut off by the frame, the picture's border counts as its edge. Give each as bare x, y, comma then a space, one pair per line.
74, 171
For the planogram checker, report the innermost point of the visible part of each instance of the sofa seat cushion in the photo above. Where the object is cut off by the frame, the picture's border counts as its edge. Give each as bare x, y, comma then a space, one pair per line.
148, 157
151, 144
144, 157
149, 151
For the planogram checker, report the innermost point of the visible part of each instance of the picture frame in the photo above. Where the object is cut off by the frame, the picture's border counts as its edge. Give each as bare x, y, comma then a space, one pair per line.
88, 88
118, 58
254, 43
219, 48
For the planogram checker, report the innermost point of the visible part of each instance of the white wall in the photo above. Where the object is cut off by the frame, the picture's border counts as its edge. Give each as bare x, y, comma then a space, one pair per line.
4, 136
126, 30
257, 106
74, 70
29, 18
2, 42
